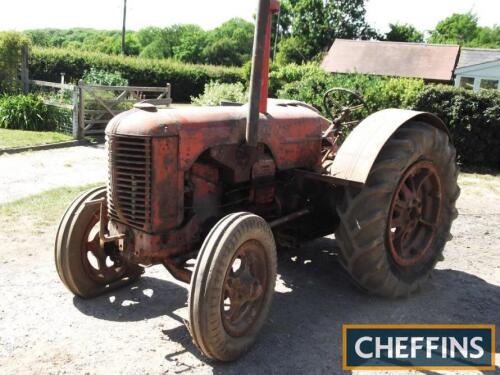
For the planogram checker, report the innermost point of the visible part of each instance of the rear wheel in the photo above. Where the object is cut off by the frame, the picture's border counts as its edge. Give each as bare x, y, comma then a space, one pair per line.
84, 267
393, 231
232, 286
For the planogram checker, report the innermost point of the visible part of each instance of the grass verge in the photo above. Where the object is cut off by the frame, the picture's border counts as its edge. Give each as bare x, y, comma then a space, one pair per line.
10, 138
44, 209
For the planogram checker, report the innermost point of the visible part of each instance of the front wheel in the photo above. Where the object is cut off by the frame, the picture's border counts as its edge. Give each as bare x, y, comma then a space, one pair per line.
232, 286
84, 267
393, 231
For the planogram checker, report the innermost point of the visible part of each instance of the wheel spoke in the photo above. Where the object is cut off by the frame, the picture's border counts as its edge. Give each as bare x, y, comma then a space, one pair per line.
397, 220
100, 255
428, 223
234, 310
257, 291
407, 194
410, 213
425, 174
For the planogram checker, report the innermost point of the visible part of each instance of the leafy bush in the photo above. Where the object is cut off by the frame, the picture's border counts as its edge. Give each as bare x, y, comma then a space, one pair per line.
186, 79
473, 119
11, 44
28, 112
216, 92
103, 77
308, 83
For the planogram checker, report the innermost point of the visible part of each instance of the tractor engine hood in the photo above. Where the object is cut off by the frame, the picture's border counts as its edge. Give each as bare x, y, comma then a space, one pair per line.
152, 122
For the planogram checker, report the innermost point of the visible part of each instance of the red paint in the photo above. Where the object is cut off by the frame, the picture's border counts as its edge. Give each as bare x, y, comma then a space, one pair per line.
264, 93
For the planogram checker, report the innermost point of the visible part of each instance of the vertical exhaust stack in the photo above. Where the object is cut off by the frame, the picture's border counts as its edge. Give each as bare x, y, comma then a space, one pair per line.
259, 78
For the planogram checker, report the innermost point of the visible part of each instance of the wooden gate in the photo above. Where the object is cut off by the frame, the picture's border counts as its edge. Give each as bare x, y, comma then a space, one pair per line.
98, 104
92, 106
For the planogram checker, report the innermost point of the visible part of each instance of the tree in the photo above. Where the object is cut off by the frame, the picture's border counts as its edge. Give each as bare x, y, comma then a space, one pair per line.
487, 37
403, 32
291, 50
230, 43
458, 29
463, 29
315, 24
154, 50
191, 45
222, 52
148, 35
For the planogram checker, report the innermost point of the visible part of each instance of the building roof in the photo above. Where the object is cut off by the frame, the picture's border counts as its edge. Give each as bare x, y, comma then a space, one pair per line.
428, 61
476, 56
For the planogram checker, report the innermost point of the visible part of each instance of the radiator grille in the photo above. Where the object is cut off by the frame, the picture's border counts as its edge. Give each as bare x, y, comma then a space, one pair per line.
129, 186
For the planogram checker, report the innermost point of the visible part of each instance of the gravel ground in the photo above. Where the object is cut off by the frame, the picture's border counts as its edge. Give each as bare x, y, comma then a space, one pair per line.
33, 172
140, 330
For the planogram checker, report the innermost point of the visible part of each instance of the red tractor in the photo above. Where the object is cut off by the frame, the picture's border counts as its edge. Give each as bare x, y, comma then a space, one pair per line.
228, 185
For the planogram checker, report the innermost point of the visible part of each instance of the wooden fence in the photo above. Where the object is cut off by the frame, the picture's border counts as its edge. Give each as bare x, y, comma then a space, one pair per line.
92, 106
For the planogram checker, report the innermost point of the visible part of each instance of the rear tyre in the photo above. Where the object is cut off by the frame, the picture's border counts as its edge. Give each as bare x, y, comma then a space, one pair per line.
393, 231
85, 268
232, 286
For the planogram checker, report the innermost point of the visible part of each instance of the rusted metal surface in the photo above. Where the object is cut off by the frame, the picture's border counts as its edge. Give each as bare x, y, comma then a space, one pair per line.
263, 176
180, 273
100, 266
129, 188
357, 154
244, 289
288, 218
292, 132
175, 173
146, 248
301, 173
257, 73
157, 183
274, 7
414, 214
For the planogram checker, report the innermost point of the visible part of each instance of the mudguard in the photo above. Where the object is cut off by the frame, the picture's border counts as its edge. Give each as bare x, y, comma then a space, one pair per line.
357, 154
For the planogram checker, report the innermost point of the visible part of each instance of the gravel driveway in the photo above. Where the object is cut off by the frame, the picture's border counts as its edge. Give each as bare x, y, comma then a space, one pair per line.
33, 172
140, 330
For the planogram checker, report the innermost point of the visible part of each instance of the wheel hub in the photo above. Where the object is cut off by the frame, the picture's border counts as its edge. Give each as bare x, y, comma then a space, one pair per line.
243, 291
100, 263
414, 214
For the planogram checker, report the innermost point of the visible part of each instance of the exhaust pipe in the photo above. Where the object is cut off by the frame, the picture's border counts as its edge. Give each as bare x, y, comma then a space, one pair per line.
259, 79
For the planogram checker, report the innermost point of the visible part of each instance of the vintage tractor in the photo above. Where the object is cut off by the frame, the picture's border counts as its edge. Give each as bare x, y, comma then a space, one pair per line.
228, 185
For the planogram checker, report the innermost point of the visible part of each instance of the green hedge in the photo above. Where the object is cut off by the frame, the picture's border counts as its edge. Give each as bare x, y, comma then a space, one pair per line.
11, 44
186, 79
473, 118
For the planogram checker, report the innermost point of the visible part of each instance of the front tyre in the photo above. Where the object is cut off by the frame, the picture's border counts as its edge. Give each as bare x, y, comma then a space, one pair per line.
84, 267
232, 286
393, 231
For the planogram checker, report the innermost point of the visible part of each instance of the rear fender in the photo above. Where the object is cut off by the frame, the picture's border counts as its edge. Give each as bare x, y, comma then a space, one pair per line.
357, 154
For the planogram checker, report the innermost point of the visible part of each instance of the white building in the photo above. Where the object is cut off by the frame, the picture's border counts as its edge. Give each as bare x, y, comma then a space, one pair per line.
478, 68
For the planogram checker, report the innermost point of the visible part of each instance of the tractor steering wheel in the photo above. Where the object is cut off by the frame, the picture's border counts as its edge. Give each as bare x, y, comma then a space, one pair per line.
340, 104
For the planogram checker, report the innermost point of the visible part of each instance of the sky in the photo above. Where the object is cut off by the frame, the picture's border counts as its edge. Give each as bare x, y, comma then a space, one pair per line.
107, 14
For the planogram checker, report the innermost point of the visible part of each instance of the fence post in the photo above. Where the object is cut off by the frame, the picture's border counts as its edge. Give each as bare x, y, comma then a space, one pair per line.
169, 96
24, 69
74, 120
81, 110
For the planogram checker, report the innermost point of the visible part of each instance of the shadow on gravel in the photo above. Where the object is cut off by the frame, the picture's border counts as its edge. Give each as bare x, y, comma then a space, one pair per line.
314, 300
148, 298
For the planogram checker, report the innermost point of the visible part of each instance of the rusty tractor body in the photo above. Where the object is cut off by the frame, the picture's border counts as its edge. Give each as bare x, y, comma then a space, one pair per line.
224, 185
